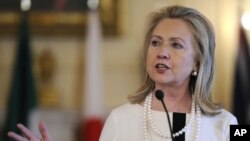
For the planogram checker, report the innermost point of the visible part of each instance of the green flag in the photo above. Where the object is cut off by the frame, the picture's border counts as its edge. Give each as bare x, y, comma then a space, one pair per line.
22, 93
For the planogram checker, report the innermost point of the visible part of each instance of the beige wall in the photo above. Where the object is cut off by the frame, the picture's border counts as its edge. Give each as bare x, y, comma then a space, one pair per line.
121, 55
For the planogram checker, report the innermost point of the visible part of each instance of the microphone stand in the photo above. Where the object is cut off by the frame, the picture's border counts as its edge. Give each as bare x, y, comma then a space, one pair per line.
159, 95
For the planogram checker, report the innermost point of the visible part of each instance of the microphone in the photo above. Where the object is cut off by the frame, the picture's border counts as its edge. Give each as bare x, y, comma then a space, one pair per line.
160, 95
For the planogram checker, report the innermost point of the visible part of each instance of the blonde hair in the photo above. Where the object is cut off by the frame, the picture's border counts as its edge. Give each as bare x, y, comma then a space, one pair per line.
204, 40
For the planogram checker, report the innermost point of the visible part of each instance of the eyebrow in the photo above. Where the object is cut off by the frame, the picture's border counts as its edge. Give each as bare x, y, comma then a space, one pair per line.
157, 36
177, 38
171, 39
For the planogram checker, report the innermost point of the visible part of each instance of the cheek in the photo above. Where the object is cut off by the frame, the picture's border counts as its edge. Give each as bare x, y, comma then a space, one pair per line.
149, 61
186, 63
148, 56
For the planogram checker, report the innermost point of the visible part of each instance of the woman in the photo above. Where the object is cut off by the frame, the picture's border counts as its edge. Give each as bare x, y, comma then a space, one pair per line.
179, 55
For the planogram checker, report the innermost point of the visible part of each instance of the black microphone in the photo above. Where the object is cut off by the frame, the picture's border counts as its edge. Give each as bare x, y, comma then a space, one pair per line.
159, 95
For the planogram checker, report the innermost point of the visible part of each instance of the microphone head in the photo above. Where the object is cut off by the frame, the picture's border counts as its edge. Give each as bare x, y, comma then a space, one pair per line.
159, 94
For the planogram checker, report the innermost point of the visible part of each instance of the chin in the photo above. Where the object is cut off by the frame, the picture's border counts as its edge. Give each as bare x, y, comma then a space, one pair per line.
162, 81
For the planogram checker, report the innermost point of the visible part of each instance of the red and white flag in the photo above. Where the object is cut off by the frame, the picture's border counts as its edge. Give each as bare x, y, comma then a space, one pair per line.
93, 95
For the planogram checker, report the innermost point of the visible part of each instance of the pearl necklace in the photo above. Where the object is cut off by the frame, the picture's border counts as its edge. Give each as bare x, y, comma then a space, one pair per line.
194, 117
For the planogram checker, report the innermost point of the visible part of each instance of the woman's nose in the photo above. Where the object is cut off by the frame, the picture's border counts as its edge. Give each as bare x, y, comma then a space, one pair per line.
163, 53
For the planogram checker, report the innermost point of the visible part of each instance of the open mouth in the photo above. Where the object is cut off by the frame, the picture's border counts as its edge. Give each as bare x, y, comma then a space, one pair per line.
161, 66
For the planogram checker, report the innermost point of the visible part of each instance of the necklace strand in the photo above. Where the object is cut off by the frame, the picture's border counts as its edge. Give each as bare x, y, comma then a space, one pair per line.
148, 121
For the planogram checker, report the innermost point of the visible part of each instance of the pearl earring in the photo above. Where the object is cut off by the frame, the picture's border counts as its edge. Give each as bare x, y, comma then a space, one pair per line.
194, 73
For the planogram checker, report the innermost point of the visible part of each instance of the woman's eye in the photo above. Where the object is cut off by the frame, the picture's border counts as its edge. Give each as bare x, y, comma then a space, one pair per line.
177, 45
155, 43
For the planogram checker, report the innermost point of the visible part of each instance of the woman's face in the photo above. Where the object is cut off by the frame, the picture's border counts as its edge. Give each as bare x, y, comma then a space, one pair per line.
170, 58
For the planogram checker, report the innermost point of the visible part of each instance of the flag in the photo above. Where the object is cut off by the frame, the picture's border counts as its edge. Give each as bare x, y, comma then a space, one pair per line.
93, 96
241, 97
22, 94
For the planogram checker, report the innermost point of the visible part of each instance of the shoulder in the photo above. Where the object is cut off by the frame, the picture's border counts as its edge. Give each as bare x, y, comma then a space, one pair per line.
217, 126
119, 121
127, 108
127, 113
224, 118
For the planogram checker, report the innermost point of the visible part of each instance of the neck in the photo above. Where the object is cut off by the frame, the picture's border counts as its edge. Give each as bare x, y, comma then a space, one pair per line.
176, 100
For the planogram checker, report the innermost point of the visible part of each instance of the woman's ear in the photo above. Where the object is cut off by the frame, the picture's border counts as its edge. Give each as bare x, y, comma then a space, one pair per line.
195, 70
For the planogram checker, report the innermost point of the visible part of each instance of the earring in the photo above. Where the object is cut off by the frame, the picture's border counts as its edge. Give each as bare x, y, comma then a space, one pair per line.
194, 73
